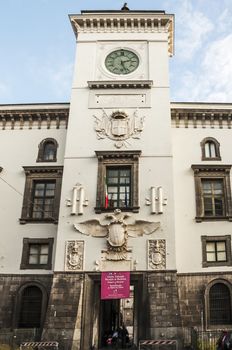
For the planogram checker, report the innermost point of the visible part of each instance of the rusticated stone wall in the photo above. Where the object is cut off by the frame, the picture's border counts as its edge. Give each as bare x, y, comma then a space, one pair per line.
62, 322
9, 285
192, 289
163, 304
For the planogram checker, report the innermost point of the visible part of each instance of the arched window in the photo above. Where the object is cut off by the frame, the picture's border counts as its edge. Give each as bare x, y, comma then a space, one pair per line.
210, 149
219, 304
47, 150
30, 308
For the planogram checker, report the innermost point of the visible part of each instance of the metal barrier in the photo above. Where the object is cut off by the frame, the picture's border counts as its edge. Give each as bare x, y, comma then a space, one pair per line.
167, 343
40, 345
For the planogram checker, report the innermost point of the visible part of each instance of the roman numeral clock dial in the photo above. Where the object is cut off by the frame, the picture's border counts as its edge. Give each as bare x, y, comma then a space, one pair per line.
122, 62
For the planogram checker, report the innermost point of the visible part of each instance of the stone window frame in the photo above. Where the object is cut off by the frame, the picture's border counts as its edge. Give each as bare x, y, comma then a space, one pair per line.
209, 326
117, 158
18, 302
40, 173
26, 249
41, 151
213, 172
227, 240
217, 149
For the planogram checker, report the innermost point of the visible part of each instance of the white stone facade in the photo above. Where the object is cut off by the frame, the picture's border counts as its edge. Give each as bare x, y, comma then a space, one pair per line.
127, 121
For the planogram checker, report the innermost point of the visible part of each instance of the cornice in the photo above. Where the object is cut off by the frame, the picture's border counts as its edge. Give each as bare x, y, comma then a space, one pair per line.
125, 22
33, 117
117, 154
210, 168
43, 169
130, 84
218, 116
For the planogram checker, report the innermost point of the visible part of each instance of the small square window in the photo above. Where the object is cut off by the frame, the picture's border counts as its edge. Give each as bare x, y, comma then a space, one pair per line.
37, 253
216, 250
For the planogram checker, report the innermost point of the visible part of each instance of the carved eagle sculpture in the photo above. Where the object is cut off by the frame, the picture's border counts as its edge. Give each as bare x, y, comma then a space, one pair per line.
117, 231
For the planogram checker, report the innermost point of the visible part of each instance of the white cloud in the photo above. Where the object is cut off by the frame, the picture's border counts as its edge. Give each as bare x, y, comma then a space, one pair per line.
213, 80
224, 21
192, 27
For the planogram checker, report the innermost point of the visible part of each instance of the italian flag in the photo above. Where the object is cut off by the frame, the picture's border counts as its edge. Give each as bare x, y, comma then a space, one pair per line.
106, 196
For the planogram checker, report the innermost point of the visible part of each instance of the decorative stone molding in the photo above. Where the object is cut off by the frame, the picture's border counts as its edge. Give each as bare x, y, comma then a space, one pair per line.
156, 254
125, 22
121, 84
156, 200
118, 126
201, 115
74, 255
117, 233
78, 196
34, 116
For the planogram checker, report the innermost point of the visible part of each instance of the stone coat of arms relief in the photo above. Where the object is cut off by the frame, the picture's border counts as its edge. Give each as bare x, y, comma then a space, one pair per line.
156, 254
119, 127
116, 233
74, 255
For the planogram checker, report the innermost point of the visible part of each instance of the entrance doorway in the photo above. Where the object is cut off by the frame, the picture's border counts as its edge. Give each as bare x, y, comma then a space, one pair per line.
117, 322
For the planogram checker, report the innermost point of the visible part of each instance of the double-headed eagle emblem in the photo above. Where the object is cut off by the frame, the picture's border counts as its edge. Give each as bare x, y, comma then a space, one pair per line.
117, 232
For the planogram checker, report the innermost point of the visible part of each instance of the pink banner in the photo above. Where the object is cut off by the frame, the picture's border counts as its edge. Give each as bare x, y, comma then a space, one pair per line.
115, 285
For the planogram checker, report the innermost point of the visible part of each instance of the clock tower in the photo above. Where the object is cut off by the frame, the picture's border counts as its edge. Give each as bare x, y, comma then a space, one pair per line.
117, 211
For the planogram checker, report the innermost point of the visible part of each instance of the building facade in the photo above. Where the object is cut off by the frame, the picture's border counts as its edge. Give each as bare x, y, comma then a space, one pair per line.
117, 181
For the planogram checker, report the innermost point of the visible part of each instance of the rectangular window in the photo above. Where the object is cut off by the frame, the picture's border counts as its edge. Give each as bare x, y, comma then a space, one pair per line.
213, 197
216, 250
37, 253
42, 194
43, 199
118, 181
213, 192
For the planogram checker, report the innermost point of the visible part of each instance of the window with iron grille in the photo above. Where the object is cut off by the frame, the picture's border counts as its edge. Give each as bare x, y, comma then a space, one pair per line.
118, 180
219, 305
42, 194
216, 250
37, 253
30, 308
213, 192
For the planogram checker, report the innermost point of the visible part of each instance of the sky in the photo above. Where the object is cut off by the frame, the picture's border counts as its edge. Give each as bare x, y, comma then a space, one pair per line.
37, 48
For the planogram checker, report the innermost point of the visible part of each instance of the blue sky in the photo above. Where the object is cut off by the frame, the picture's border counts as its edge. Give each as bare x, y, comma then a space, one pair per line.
37, 47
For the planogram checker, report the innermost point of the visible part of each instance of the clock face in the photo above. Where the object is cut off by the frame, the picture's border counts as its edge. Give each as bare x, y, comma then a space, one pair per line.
122, 61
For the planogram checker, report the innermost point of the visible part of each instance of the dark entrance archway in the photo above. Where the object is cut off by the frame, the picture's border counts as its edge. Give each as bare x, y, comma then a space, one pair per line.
99, 316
